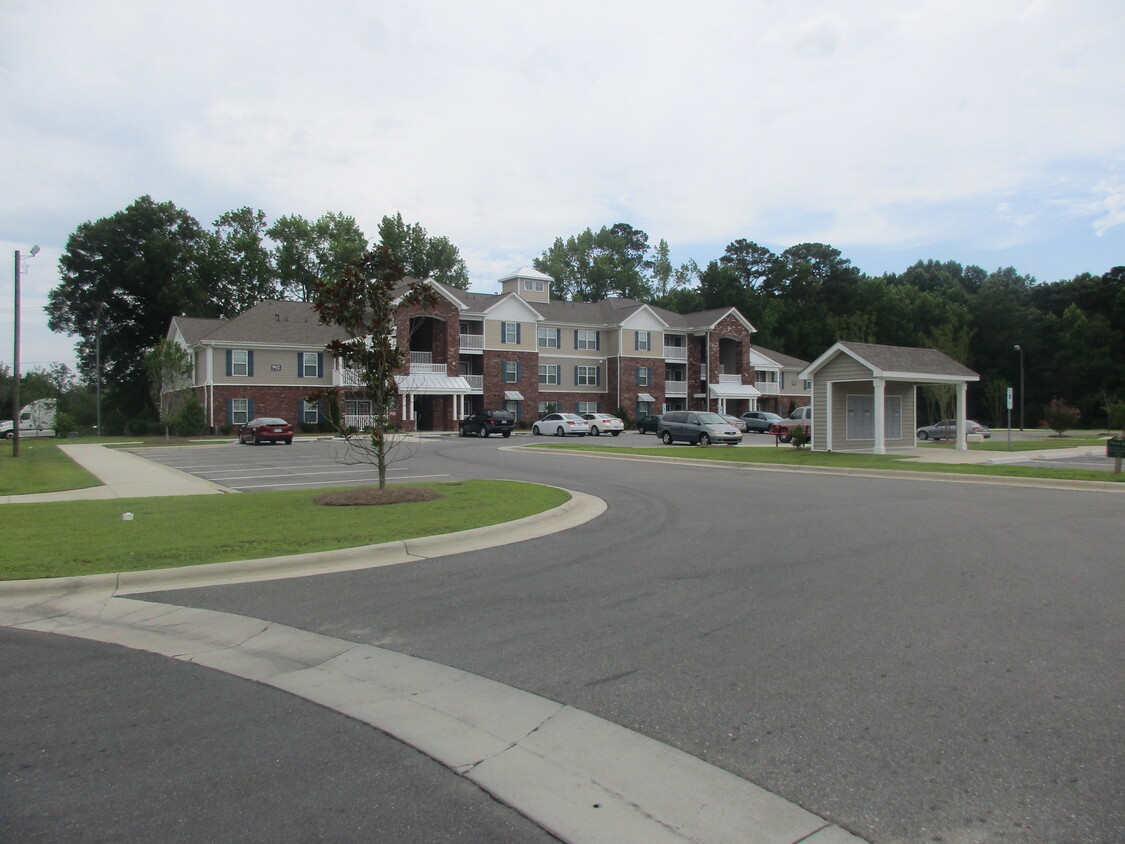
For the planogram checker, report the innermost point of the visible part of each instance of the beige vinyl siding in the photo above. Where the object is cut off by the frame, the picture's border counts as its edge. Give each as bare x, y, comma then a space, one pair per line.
629, 343
567, 383
840, 392
493, 336
273, 367
843, 368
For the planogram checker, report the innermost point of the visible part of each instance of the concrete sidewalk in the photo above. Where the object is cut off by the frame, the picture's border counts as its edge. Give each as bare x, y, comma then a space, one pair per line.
123, 475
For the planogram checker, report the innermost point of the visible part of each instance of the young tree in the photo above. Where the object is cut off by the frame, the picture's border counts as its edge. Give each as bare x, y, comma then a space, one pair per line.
363, 303
167, 364
421, 255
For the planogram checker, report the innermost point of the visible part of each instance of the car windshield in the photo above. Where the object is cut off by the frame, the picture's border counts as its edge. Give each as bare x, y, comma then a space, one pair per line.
712, 419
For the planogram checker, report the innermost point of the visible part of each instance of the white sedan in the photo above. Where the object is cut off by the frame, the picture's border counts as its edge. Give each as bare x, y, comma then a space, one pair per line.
605, 423
561, 424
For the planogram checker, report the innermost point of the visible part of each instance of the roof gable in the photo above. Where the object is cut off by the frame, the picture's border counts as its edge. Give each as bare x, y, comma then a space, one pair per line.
897, 362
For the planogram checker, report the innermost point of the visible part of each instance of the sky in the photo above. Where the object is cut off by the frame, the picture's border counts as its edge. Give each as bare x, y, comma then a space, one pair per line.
988, 133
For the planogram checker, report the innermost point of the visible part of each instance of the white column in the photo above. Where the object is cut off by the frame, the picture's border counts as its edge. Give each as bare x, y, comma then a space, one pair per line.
880, 420
962, 391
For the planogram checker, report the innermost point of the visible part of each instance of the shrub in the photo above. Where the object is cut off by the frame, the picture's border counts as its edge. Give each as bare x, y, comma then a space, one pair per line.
226, 429
1117, 415
799, 436
64, 424
622, 414
190, 421
1060, 416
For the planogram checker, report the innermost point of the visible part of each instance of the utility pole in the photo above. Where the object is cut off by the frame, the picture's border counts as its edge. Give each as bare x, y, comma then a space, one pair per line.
1019, 349
16, 358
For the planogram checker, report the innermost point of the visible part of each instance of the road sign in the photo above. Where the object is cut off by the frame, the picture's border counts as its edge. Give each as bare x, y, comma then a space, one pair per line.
1010, 396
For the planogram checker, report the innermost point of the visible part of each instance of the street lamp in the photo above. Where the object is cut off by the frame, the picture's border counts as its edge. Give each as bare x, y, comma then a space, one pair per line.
16, 359
1019, 349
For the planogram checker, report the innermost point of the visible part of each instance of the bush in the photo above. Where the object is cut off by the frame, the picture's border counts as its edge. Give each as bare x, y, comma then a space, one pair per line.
799, 436
64, 424
143, 428
226, 429
1060, 416
622, 414
1117, 416
190, 421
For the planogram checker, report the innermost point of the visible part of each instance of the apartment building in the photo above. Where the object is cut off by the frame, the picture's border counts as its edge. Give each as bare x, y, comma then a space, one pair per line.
517, 349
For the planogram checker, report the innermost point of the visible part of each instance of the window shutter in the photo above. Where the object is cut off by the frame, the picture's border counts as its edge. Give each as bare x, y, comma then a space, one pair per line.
250, 407
636, 341
518, 326
519, 366
320, 364
230, 402
576, 376
503, 332
250, 366
597, 376
230, 369
638, 374
576, 338
300, 411
597, 341
300, 364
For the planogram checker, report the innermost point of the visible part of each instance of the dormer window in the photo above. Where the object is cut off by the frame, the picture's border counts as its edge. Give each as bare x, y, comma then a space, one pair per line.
532, 284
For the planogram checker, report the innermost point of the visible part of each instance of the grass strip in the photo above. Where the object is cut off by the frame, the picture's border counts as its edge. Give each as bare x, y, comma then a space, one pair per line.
788, 456
60, 539
41, 467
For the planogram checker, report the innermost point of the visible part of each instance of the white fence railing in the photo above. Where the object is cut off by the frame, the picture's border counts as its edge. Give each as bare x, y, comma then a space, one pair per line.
675, 353
675, 388
472, 341
476, 382
428, 368
421, 357
767, 388
730, 379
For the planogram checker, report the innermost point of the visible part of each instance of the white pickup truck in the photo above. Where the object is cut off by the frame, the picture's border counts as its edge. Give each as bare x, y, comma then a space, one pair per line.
784, 429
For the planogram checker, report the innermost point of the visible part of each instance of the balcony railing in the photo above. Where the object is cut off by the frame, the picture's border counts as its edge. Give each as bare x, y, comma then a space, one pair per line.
428, 368
421, 357
472, 341
675, 353
724, 378
767, 388
476, 382
675, 388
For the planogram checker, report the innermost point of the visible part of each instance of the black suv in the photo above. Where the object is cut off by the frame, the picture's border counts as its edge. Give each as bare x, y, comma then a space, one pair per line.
485, 422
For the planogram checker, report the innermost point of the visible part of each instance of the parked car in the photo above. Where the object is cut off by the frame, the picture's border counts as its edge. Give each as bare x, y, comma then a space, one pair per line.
648, 423
759, 421
561, 424
485, 422
739, 424
266, 429
697, 426
946, 429
605, 423
801, 416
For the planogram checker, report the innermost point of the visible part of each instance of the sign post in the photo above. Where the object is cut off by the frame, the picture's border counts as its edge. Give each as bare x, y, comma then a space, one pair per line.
1115, 448
1009, 419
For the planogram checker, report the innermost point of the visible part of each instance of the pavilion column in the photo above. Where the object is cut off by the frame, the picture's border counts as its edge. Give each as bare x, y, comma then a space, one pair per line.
880, 416
962, 392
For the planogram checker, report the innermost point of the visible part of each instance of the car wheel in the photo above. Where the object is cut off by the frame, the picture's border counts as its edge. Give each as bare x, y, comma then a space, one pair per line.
594, 431
535, 430
289, 441
667, 438
560, 431
785, 438
461, 431
507, 434
615, 433
704, 439
484, 432
922, 435
257, 440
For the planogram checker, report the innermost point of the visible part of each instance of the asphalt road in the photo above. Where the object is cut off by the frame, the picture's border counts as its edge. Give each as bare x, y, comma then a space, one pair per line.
913, 660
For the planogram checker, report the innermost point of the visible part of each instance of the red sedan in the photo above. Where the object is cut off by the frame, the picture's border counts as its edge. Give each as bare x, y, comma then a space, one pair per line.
266, 429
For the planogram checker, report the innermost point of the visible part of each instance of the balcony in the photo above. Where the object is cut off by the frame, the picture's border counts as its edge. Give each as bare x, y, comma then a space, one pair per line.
767, 388
675, 388
422, 363
472, 342
725, 378
476, 382
675, 353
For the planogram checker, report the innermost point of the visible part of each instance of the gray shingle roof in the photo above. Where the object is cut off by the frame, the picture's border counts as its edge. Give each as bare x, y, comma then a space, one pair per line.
788, 361
907, 359
276, 322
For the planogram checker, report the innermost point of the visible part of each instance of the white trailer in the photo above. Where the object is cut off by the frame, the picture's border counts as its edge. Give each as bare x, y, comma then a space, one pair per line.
36, 420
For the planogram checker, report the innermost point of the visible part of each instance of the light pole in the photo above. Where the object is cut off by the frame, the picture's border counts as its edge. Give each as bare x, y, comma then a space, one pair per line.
98, 362
16, 359
1020, 350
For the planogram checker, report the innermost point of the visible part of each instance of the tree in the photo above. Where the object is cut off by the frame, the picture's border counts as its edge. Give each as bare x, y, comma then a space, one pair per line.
591, 266
421, 255
363, 303
304, 252
138, 268
242, 263
167, 364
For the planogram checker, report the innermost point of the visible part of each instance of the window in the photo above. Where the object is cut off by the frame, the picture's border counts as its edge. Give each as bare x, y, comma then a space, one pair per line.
239, 362
513, 407
548, 338
643, 408
644, 341
588, 407
763, 376
357, 407
239, 411
587, 376
310, 412
644, 375
310, 365
510, 332
548, 373
546, 407
588, 340
511, 371
530, 284
808, 384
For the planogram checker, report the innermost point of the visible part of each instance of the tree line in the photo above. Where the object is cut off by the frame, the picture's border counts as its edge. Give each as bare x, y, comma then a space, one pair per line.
1069, 336
125, 276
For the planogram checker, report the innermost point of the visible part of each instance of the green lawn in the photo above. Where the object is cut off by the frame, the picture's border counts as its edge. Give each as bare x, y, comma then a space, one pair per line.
789, 456
41, 467
89, 537
999, 442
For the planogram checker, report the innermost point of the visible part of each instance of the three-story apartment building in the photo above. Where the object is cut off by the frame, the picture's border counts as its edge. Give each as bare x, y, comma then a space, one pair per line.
518, 349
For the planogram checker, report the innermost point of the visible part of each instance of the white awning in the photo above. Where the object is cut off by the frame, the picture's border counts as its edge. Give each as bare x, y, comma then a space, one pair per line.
644, 397
432, 385
726, 390
513, 395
